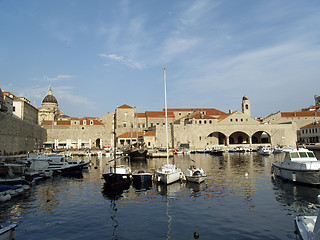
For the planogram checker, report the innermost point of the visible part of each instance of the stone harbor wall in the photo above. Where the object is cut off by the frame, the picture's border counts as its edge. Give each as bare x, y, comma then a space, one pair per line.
18, 136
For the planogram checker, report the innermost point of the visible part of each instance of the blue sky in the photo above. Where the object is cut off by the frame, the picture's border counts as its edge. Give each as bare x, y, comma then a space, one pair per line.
100, 54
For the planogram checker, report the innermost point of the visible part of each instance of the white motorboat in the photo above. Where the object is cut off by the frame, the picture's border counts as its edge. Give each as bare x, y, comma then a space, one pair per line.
264, 151
299, 165
167, 173
308, 227
8, 232
194, 174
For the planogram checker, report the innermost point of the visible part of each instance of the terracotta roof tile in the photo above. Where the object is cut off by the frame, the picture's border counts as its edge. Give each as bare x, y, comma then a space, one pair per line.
313, 124
212, 111
130, 134
300, 114
124, 106
159, 114
140, 115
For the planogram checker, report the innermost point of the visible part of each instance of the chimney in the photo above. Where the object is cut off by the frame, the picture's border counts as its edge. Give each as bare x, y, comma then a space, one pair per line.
230, 111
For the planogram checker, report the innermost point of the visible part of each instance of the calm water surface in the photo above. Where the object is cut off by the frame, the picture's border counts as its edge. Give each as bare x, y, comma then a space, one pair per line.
229, 205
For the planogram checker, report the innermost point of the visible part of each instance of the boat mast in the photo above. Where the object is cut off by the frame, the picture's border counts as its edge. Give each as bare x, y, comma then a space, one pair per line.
166, 113
115, 143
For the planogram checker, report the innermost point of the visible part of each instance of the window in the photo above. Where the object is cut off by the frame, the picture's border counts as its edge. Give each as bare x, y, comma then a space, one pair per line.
241, 120
231, 120
200, 122
14, 108
124, 125
210, 121
247, 107
205, 122
138, 125
91, 122
84, 122
236, 119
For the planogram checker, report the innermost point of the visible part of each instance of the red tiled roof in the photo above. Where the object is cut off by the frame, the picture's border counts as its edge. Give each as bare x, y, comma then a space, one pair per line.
124, 106
212, 111
300, 114
313, 124
159, 114
149, 133
130, 134
140, 115
201, 116
64, 122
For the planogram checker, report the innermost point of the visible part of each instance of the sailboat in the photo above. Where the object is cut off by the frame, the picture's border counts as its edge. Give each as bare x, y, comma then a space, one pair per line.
168, 173
117, 175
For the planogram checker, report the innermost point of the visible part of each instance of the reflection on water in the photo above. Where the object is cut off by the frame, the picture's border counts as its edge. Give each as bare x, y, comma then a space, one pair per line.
237, 197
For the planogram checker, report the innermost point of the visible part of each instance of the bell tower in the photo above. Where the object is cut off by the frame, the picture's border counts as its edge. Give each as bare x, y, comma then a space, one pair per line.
246, 105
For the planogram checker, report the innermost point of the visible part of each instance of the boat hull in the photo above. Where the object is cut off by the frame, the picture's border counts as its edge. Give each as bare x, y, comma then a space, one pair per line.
138, 154
304, 176
302, 224
142, 177
168, 178
116, 179
8, 232
196, 179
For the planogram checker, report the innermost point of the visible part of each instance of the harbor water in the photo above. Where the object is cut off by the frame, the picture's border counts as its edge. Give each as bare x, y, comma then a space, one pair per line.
239, 200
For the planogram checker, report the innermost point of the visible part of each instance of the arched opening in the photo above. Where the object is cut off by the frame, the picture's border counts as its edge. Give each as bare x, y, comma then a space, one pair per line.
261, 137
239, 138
217, 138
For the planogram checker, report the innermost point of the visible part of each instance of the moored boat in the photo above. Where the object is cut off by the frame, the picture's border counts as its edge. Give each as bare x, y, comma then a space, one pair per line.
138, 154
299, 165
264, 151
141, 175
194, 174
308, 227
8, 232
168, 173
217, 151
117, 175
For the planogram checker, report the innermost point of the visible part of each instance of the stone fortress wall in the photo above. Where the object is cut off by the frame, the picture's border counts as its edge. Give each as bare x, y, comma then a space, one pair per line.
18, 136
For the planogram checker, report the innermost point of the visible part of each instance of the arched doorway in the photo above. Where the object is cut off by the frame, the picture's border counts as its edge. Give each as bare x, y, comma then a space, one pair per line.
98, 141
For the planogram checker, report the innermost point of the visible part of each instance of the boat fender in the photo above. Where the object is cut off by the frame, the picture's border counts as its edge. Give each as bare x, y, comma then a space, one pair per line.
196, 235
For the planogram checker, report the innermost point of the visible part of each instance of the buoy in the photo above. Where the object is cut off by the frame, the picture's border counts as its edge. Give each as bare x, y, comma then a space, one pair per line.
246, 175
196, 235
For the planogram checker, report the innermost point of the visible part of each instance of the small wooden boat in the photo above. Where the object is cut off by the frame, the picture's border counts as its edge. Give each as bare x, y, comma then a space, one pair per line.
141, 175
194, 174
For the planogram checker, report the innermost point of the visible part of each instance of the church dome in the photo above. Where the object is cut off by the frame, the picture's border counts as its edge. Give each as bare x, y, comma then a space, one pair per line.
49, 98
245, 98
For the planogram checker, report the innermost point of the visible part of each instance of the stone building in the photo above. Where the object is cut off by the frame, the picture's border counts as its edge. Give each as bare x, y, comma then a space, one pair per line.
310, 133
20, 107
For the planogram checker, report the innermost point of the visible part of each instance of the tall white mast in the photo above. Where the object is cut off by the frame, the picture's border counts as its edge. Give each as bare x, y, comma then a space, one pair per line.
166, 113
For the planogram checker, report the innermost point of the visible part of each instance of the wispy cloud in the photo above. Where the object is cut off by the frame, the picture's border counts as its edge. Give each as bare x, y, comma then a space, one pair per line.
123, 60
57, 78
